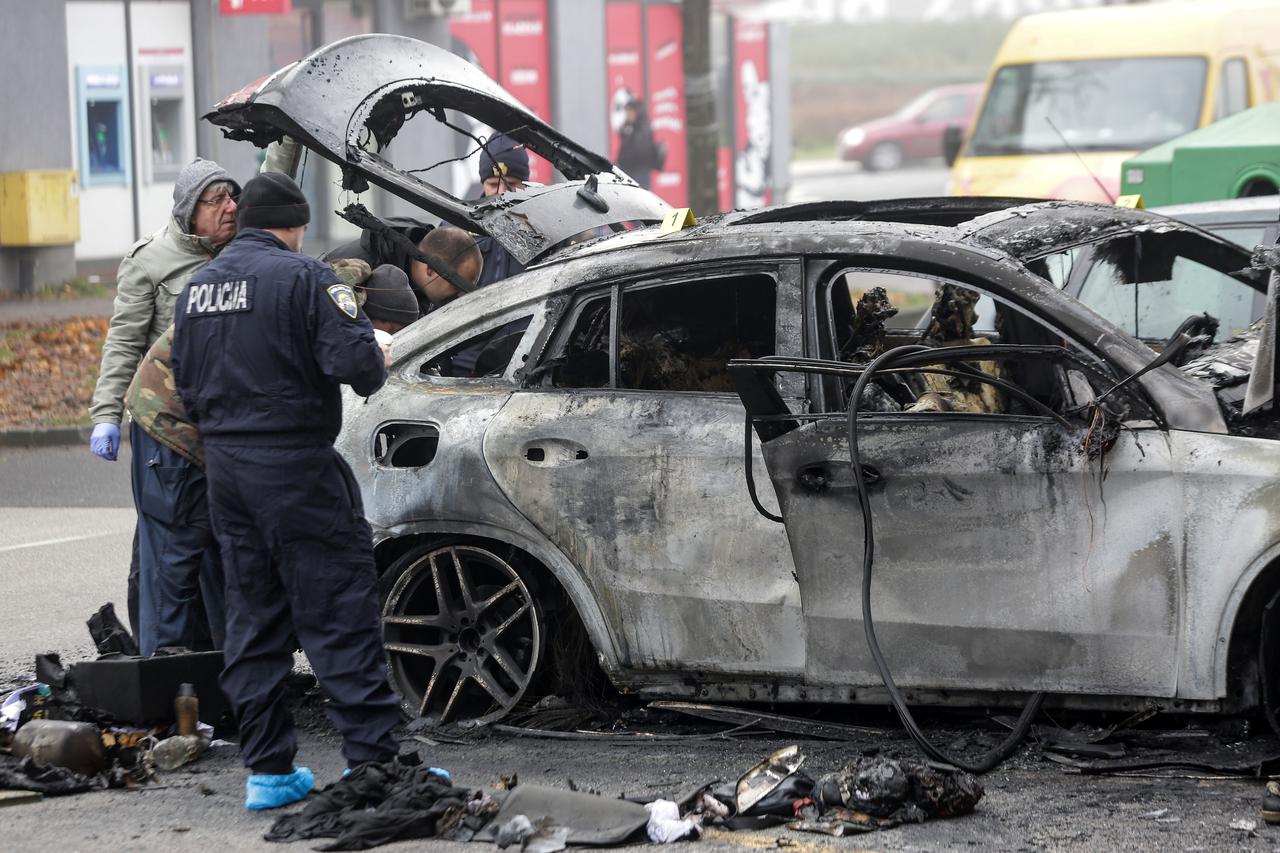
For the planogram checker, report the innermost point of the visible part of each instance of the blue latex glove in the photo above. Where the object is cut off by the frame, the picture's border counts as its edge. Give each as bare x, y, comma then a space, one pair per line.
268, 791
105, 441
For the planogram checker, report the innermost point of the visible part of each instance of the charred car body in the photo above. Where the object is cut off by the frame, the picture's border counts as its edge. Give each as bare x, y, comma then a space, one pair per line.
589, 473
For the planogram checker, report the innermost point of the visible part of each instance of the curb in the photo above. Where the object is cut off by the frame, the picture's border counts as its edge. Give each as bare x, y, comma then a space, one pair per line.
61, 436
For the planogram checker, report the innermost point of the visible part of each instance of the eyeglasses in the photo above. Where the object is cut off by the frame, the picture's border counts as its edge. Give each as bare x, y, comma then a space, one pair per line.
219, 200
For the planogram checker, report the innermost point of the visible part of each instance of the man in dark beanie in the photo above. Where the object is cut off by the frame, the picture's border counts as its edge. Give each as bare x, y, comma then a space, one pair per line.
504, 165
265, 338
389, 299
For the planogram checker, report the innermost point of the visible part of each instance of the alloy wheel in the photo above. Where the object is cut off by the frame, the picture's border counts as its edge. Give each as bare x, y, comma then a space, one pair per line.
463, 634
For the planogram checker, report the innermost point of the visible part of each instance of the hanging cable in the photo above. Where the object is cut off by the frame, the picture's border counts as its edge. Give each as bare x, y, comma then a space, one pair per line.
751, 480
991, 759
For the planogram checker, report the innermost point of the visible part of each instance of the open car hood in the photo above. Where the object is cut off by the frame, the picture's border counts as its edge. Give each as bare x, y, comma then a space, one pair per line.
346, 102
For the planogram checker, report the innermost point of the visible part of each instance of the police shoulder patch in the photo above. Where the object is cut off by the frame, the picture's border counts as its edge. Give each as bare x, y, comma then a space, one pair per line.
345, 298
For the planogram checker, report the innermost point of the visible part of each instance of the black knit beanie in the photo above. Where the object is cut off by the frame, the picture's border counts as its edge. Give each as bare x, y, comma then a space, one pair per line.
272, 200
503, 156
389, 296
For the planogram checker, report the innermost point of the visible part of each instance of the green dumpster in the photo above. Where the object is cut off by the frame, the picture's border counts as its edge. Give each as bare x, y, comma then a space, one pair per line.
1238, 156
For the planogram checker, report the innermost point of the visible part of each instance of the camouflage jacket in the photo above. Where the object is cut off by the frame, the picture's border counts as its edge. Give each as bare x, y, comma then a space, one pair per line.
152, 398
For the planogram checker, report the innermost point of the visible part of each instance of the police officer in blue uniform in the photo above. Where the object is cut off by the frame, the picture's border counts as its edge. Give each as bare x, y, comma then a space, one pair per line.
265, 337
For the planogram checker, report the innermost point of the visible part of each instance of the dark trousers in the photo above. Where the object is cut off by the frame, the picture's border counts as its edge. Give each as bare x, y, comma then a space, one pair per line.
180, 595
298, 559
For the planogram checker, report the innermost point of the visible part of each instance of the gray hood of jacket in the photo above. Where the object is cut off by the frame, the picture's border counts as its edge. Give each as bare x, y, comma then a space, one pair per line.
191, 182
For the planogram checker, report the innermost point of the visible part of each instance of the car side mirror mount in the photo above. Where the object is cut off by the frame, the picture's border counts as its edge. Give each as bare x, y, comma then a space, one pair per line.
952, 140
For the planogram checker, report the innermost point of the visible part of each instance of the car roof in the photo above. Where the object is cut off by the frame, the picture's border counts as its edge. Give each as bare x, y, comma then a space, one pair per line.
1032, 231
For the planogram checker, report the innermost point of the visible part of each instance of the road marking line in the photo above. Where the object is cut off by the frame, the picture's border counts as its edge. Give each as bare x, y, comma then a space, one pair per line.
4, 548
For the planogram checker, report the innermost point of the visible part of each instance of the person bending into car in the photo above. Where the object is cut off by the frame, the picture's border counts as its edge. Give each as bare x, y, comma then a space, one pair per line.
151, 275
456, 248
265, 338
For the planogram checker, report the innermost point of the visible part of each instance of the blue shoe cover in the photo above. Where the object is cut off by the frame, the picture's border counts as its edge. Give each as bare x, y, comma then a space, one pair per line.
268, 791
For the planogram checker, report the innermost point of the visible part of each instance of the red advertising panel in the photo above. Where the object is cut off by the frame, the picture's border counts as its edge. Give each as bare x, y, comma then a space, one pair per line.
507, 39
665, 54
255, 7
477, 33
624, 48
753, 115
523, 67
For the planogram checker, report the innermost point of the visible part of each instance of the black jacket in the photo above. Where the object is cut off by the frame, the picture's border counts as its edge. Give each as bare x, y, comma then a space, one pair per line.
638, 153
264, 338
376, 249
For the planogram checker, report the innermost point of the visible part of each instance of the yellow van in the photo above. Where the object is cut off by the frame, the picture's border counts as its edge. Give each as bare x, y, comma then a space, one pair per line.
1072, 94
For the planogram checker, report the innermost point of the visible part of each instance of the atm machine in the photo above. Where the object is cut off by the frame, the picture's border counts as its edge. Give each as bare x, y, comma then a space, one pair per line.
163, 96
102, 110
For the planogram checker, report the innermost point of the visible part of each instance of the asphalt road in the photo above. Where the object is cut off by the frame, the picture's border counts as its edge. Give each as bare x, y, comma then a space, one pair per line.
67, 520
817, 180
67, 529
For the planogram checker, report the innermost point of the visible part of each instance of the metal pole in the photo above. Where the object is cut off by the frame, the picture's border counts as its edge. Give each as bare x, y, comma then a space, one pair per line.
319, 184
700, 108
133, 117
202, 62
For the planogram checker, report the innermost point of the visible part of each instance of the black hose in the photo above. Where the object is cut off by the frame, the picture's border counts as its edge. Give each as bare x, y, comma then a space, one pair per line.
991, 759
751, 480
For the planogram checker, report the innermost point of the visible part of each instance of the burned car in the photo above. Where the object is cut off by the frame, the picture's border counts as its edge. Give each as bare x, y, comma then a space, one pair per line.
584, 492
595, 478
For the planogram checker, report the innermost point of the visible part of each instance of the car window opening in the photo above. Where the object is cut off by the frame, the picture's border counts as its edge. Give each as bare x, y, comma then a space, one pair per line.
873, 312
676, 337
484, 355
1148, 285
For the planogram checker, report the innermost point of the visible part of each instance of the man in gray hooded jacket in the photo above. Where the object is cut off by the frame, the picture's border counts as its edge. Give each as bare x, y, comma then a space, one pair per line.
151, 276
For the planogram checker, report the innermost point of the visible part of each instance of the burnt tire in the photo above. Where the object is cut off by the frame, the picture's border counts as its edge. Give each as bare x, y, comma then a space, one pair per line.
464, 632
885, 157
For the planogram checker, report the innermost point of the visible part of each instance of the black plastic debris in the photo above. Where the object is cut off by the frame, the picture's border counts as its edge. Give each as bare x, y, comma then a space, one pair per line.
140, 690
899, 791
24, 774
766, 795
109, 633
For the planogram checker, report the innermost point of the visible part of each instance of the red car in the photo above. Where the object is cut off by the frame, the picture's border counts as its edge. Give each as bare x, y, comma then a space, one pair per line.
913, 132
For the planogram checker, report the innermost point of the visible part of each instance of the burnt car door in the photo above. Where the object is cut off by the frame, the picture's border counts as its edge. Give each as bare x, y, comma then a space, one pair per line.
1021, 544
347, 102
626, 450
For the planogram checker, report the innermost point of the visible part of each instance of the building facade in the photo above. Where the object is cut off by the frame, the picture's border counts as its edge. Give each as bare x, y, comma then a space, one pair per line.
106, 96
